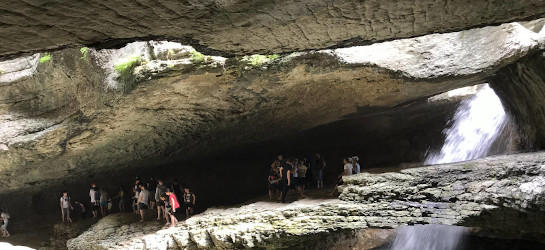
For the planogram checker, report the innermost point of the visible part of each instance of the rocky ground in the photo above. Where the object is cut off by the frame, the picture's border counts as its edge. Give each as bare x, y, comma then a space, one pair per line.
485, 194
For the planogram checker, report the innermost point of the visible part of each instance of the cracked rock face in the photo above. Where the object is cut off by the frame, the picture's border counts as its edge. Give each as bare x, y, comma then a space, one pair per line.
492, 195
78, 115
244, 27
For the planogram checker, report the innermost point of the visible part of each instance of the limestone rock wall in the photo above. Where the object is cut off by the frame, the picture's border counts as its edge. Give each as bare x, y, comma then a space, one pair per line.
521, 87
77, 115
244, 27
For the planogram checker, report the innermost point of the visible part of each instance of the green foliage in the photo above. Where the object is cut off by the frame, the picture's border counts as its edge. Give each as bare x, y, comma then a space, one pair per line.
2, 72
84, 52
127, 65
125, 70
197, 57
45, 58
258, 60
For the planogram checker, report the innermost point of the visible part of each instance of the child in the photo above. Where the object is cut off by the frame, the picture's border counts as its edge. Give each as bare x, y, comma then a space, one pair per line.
167, 208
4, 217
66, 206
189, 202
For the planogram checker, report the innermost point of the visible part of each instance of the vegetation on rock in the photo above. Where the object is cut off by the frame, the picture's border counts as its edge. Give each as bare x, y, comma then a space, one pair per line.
127, 66
258, 60
84, 53
45, 58
125, 69
197, 57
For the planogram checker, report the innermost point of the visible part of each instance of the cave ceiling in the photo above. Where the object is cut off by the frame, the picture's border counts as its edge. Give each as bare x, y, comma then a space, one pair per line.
71, 112
240, 27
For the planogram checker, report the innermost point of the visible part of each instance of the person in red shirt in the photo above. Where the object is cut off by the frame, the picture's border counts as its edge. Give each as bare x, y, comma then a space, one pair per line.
171, 204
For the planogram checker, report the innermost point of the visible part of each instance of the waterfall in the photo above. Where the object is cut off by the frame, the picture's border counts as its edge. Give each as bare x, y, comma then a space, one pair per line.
429, 237
477, 123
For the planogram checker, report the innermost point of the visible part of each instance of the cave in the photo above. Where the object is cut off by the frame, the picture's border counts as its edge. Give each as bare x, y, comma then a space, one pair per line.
206, 95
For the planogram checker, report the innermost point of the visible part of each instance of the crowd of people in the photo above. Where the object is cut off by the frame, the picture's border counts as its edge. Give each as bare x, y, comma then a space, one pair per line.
285, 176
295, 175
149, 195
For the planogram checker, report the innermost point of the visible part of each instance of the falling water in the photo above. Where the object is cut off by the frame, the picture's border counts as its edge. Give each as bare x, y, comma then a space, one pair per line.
429, 237
478, 122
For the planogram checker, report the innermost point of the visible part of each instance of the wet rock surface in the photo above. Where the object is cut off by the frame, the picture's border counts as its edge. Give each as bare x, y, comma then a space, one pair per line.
454, 194
244, 27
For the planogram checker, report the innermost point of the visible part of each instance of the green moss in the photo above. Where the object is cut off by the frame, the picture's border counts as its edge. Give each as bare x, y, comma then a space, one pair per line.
127, 65
2, 72
258, 60
45, 58
197, 57
84, 53
125, 71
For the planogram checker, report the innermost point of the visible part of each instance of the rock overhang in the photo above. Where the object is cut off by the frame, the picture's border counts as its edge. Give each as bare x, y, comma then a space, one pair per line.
243, 27
173, 107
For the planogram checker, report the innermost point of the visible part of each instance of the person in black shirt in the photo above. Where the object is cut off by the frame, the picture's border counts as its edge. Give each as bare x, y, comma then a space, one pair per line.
285, 180
318, 166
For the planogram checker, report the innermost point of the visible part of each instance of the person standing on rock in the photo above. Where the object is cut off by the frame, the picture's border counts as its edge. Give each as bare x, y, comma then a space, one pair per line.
104, 197
159, 191
274, 178
5, 219
302, 173
136, 190
285, 180
121, 196
189, 202
143, 201
318, 166
171, 204
66, 206
93, 195
151, 187
347, 170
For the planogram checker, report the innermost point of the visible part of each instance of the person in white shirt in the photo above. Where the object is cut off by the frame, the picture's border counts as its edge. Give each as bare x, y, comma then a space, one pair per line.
66, 206
94, 202
347, 170
348, 167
